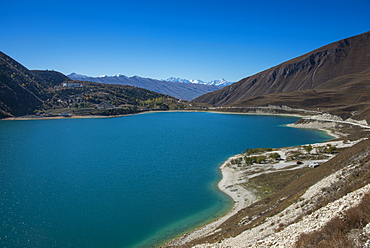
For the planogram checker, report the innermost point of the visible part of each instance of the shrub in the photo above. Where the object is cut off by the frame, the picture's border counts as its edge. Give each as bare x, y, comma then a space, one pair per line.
275, 156
331, 149
293, 155
257, 150
237, 161
335, 232
308, 148
250, 160
260, 159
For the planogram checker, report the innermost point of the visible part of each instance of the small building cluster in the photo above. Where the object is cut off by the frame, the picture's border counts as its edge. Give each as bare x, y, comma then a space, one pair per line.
105, 105
72, 85
76, 100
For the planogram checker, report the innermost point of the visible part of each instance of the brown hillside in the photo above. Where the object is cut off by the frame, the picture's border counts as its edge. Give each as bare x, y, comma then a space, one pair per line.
325, 68
349, 100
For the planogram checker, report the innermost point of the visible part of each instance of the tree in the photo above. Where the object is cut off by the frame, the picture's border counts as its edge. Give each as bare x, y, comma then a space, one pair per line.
250, 160
275, 156
308, 148
331, 149
260, 159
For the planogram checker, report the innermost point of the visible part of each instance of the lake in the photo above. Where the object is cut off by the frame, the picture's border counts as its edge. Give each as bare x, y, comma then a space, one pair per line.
131, 181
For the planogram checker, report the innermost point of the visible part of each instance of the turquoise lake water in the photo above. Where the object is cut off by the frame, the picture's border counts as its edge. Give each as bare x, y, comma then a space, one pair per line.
131, 181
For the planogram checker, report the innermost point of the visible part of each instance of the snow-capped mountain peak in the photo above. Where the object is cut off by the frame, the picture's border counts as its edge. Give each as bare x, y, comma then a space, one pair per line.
219, 82
74, 75
177, 80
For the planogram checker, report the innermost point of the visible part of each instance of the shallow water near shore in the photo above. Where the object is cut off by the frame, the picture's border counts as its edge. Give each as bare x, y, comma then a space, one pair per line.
131, 181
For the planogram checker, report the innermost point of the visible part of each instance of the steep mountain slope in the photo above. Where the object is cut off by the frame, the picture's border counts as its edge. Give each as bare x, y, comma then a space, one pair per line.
183, 91
319, 69
21, 91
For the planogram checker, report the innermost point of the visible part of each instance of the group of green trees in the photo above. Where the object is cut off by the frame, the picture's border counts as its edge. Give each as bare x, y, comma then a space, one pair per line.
249, 160
321, 149
274, 157
257, 150
159, 102
117, 111
81, 105
307, 152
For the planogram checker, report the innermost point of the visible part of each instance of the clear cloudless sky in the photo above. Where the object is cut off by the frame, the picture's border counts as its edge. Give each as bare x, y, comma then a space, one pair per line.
200, 39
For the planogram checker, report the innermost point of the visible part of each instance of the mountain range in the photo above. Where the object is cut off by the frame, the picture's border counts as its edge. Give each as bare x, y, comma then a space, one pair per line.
334, 78
180, 90
218, 82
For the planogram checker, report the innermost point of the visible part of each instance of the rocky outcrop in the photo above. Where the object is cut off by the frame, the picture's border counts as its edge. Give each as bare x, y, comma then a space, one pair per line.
266, 235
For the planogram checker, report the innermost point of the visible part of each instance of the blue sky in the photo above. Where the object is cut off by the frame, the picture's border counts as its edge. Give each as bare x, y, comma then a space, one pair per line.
158, 39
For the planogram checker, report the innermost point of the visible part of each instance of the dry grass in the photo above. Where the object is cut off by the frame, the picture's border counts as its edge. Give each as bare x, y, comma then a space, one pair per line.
336, 233
269, 183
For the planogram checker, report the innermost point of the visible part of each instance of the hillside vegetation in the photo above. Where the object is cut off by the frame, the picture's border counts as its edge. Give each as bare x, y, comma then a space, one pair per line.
21, 92
50, 93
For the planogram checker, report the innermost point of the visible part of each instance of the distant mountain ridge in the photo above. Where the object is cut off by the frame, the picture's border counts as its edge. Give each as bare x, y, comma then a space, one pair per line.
218, 82
180, 90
